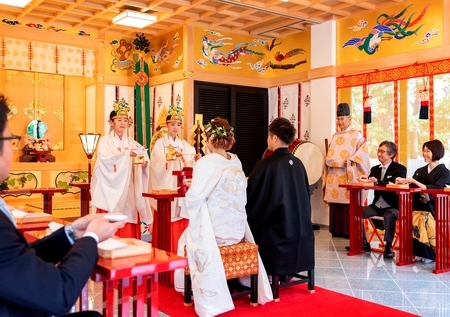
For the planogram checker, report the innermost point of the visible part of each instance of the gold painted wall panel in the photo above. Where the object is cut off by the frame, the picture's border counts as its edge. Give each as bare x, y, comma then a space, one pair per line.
411, 26
253, 57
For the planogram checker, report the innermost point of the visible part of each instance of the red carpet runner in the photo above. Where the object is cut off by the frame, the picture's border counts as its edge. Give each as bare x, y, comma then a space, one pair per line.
294, 301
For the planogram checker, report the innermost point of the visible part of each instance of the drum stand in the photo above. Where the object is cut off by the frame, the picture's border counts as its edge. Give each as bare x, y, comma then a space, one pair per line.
311, 189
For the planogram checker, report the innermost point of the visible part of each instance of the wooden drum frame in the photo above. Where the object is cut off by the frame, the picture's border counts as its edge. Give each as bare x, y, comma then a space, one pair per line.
309, 154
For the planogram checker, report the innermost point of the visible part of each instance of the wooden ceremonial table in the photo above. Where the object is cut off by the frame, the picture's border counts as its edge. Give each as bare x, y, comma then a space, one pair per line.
405, 255
85, 197
135, 277
162, 219
442, 216
29, 230
47, 194
32, 226
14, 192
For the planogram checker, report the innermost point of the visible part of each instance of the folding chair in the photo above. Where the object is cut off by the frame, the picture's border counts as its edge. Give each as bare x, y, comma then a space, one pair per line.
379, 234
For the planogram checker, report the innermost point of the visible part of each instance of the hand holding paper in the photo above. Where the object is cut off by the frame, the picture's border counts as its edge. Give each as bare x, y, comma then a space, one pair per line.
140, 150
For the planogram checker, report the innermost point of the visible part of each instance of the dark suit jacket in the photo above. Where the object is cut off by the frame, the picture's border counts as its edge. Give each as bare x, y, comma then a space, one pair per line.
30, 282
394, 170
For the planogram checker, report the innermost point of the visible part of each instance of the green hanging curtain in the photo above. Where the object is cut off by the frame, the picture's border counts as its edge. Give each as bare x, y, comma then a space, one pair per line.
142, 93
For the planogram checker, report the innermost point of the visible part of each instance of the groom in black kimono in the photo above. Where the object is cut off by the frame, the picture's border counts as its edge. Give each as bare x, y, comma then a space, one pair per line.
278, 206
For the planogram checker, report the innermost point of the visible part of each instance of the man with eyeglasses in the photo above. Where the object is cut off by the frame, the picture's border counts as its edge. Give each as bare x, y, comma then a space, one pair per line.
347, 158
31, 282
385, 204
13, 138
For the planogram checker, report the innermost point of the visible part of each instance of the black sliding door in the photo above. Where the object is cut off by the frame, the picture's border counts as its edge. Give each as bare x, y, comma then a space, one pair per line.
246, 108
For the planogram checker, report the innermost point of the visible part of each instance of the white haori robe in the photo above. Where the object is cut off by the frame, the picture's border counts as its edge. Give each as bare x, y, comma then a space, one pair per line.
117, 184
161, 171
217, 217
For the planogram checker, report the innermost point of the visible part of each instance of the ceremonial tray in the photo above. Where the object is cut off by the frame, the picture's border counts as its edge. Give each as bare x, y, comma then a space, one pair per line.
134, 247
34, 217
397, 186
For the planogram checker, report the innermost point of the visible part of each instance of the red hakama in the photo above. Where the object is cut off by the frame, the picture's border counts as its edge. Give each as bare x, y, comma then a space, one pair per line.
177, 228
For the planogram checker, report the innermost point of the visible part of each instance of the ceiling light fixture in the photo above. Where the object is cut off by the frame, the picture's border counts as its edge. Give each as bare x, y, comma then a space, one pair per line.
15, 3
134, 19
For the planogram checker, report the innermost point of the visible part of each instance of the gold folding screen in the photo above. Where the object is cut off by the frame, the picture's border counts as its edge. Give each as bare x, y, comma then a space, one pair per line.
36, 97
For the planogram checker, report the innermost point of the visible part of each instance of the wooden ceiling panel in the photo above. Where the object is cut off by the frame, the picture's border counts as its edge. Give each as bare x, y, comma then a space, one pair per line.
265, 18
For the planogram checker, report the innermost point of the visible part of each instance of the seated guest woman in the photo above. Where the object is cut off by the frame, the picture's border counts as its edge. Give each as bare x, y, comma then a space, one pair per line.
432, 175
216, 207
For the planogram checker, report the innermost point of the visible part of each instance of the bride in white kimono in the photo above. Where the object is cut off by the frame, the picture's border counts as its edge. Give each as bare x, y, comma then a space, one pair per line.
216, 206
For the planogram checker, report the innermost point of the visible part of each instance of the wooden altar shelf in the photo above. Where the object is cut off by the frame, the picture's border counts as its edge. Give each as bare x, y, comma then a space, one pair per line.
37, 156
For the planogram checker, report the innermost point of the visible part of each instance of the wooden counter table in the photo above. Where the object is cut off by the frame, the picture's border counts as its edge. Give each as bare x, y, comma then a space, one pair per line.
442, 217
404, 256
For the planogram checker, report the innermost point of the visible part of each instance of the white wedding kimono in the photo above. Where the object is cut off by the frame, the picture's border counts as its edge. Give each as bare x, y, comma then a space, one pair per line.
117, 184
216, 205
161, 176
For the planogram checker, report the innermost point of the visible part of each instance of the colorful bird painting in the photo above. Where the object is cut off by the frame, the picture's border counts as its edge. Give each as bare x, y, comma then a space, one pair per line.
370, 43
281, 57
396, 26
211, 46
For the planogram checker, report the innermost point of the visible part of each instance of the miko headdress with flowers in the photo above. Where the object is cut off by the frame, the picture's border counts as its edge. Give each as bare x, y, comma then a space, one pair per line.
216, 131
121, 109
175, 114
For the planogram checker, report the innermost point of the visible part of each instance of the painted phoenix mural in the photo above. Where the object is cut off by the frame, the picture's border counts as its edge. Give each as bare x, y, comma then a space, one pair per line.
389, 27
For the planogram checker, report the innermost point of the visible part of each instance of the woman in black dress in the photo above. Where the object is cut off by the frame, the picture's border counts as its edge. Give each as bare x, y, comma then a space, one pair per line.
432, 175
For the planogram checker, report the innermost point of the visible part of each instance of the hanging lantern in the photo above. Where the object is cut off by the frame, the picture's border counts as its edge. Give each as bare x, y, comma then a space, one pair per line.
367, 104
424, 100
367, 108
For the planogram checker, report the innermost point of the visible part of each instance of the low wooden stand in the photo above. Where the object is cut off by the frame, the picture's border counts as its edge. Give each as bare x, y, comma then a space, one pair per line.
31, 155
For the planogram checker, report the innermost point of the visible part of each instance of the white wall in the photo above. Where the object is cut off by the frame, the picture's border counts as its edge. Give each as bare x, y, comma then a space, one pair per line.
323, 103
323, 126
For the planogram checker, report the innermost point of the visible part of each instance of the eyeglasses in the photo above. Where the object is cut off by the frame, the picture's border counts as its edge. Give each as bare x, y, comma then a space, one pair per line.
13, 138
338, 119
382, 151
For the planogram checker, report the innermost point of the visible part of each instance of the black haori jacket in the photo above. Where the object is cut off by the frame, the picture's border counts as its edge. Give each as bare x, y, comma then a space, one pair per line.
279, 213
